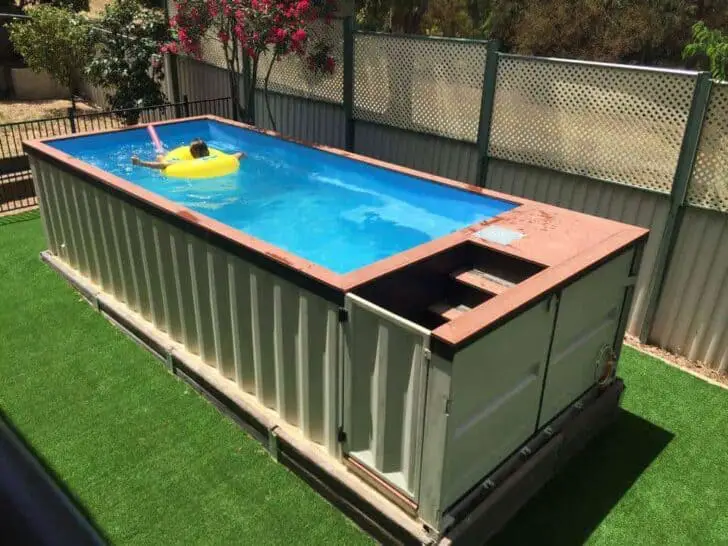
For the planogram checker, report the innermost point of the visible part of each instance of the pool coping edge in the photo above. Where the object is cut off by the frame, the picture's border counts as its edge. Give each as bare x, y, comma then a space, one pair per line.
448, 338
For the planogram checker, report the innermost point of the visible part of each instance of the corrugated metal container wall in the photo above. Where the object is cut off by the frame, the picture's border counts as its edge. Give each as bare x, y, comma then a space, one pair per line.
385, 375
200, 81
441, 156
613, 201
274, 339
692, 315
311, 121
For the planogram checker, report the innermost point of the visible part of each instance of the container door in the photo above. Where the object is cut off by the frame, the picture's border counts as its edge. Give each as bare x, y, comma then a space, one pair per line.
386, 359
586, 328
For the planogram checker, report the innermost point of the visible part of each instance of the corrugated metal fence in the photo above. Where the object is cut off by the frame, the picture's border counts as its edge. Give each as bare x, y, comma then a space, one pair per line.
634, 144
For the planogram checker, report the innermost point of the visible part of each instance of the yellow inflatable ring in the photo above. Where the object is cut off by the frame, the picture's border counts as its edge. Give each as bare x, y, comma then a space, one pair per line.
183, 165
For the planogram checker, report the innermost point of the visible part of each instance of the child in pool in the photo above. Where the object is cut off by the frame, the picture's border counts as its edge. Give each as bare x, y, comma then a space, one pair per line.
198, 148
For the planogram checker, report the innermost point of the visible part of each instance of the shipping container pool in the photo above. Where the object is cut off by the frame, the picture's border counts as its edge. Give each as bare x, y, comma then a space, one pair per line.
406, 333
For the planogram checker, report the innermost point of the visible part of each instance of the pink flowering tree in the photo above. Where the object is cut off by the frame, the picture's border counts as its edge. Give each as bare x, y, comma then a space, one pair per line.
249, 29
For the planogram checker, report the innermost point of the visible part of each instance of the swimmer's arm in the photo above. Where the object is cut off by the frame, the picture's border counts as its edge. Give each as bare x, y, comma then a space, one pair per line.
159, 164
239, 155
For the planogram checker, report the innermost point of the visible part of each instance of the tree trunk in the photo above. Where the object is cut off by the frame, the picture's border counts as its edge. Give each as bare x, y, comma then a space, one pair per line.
265, 92
407, 18
72, 93
231, 50
474, 12
250, 94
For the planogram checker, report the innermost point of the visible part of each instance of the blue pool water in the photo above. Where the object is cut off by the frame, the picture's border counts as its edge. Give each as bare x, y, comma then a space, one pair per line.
339, 213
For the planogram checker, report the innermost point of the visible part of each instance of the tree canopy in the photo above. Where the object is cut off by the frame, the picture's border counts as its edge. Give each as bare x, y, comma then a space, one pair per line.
250, 29
128, 38
53, 39
645, 31
74, 5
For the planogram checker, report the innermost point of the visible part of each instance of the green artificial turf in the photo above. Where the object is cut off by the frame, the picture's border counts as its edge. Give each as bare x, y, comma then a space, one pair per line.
154, 463
658, 476
149, 459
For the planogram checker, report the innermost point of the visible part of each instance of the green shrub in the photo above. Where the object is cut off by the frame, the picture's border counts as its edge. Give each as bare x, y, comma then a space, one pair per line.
55, 40
711, 45
73, 5
127, 59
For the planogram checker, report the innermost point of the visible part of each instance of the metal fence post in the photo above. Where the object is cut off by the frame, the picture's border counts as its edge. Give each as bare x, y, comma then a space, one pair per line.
186, 106
349, 83
173, 77
72, 119
249, 93
681, 180
234, 105
486, 109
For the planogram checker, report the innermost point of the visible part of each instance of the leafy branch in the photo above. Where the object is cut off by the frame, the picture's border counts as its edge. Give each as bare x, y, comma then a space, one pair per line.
53, 39
711, 44
127, 56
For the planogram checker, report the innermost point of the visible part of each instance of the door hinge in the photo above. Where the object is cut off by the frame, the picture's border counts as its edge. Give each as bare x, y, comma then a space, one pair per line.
343, 314
427, 353
448, 406
552, 301
340, 435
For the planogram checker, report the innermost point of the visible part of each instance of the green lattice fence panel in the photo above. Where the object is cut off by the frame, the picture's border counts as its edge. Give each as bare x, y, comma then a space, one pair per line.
419, 84
615, 123
709, 183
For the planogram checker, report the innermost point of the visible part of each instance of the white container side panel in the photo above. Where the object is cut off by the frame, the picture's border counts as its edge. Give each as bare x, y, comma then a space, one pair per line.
52, 231
434, 438
495, 394
692, 315
303, 119
607, 200
441, 156
586, 326
273, 339
385, 374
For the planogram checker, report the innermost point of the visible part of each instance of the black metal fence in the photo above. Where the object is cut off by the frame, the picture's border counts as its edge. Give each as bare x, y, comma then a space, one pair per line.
16, 183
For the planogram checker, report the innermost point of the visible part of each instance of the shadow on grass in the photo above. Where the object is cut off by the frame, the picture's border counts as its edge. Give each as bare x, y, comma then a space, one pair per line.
35, 504
568, 509
24, 216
